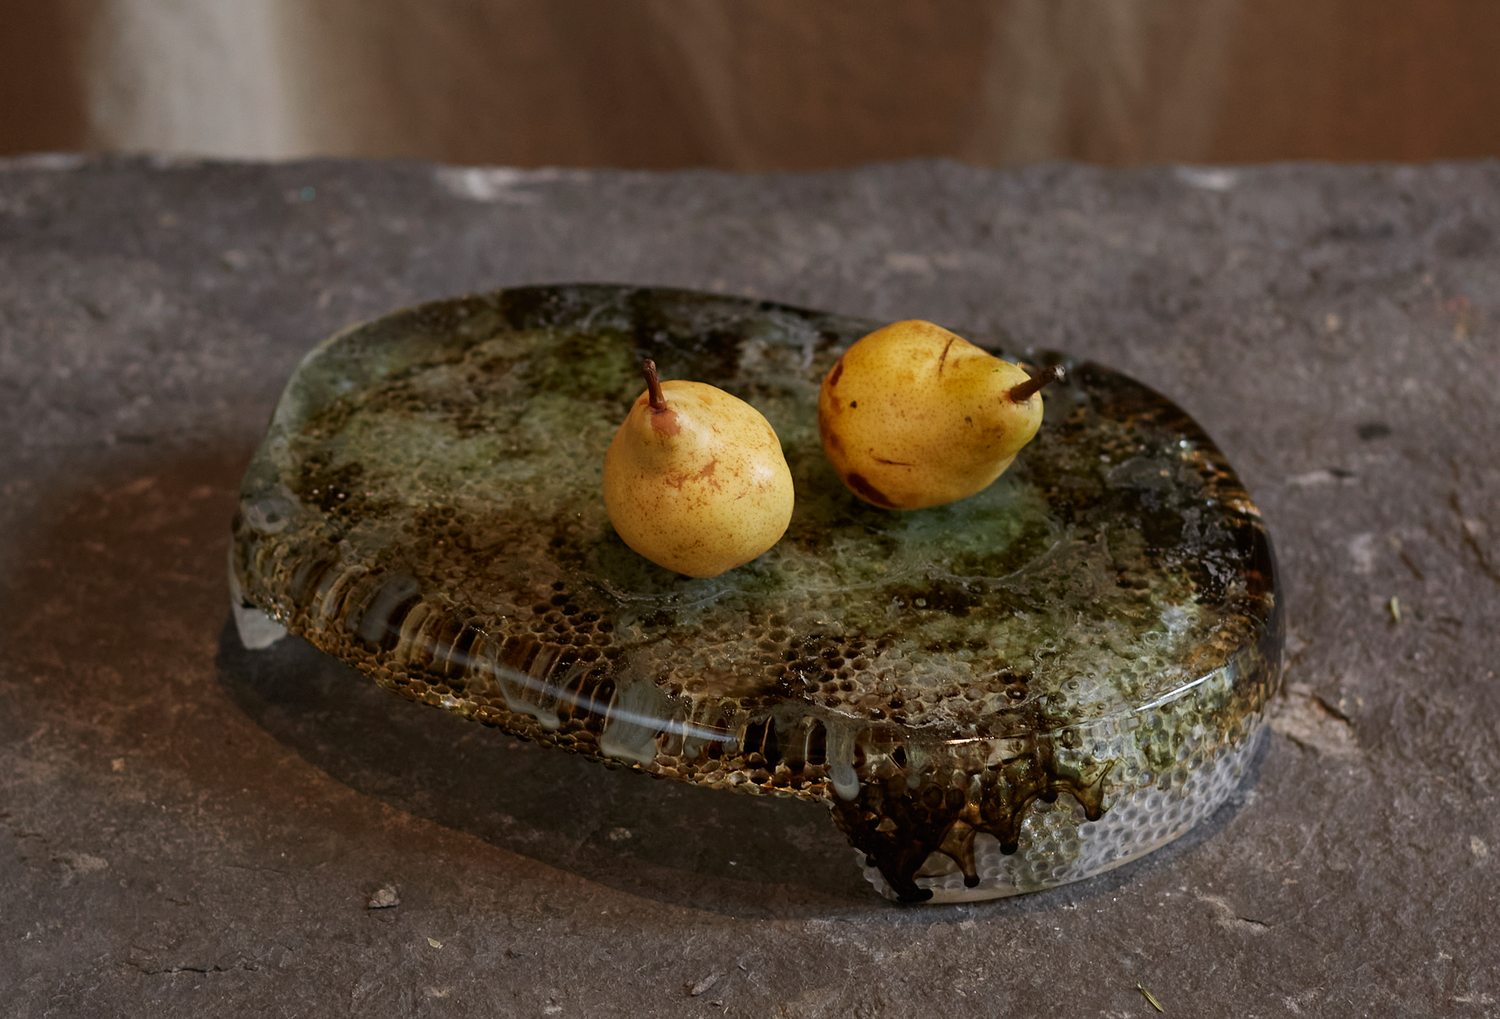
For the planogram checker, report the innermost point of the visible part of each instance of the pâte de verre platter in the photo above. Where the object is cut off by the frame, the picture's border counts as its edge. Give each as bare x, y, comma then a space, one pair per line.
1013, 691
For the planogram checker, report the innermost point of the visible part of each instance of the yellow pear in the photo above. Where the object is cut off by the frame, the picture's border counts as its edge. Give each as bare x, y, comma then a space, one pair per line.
695, 480
913, 415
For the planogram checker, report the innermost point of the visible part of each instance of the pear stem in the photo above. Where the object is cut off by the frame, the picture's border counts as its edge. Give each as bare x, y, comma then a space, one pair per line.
1023, 391
653, 386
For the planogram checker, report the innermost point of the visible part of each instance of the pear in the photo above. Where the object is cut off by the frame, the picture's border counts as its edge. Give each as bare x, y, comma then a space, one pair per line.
695, 479
913, 415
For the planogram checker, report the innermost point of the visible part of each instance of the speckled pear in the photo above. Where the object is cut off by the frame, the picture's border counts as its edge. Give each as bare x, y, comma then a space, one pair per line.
913, 415
695, 479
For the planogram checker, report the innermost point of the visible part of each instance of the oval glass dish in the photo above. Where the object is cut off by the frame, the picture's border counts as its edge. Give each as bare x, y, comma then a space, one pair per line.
1010, 692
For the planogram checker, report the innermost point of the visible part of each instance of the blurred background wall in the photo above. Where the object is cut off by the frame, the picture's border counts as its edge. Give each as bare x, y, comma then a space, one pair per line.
754, 84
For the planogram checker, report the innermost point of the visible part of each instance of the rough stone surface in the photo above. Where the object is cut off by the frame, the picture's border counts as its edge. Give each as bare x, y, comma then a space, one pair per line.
210, 832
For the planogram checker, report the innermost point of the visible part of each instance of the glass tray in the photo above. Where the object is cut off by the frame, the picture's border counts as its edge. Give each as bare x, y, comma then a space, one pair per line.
1017, 690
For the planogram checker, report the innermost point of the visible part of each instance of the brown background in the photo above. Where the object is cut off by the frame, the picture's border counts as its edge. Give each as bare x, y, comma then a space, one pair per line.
774, 84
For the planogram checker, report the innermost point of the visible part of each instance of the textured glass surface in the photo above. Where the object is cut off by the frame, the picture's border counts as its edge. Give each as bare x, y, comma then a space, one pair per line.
988, 694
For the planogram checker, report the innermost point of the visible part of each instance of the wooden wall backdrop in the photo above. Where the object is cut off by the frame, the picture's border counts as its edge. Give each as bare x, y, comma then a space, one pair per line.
755, 84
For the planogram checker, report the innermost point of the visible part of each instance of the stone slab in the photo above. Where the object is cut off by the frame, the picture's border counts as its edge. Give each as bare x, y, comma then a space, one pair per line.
207, 831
